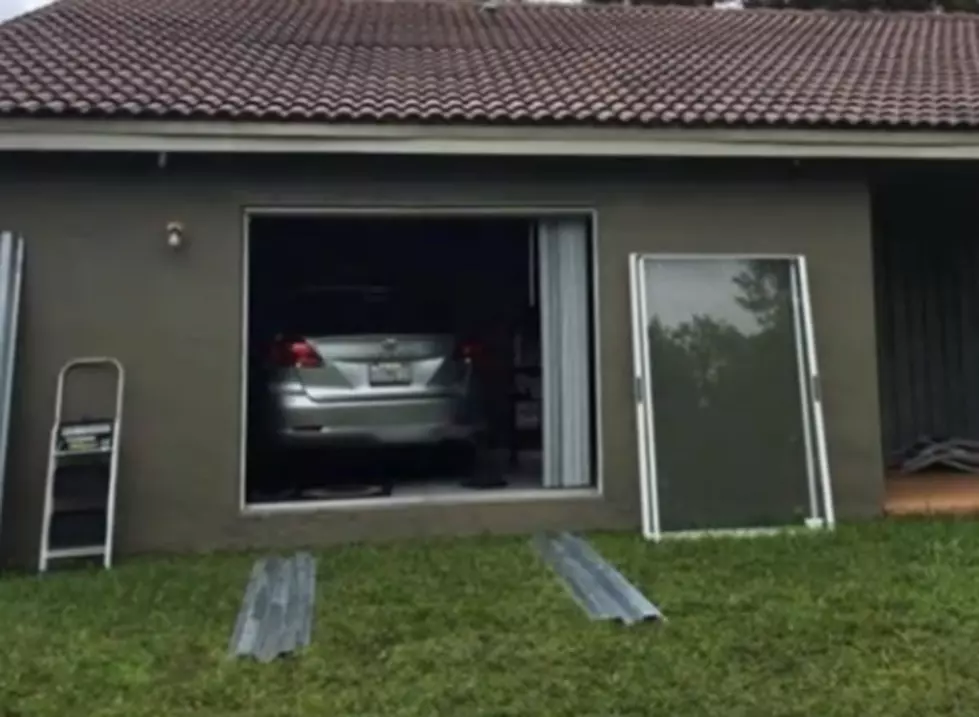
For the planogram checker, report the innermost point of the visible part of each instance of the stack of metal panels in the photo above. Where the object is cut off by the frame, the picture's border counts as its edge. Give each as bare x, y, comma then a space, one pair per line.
957, 454
601, 591
11, 267
276, 616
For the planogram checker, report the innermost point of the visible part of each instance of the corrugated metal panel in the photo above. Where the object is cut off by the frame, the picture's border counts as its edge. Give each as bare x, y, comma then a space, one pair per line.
276, 615
927, 286
598, 588
11, 267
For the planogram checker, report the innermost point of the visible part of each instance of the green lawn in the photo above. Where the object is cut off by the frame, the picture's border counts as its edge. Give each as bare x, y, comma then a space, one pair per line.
882, 619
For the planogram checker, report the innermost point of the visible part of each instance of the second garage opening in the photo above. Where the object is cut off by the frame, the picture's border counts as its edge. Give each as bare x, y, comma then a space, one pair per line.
410, 356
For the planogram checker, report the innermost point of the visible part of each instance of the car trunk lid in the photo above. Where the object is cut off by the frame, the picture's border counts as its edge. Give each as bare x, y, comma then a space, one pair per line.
380, 366
356, 342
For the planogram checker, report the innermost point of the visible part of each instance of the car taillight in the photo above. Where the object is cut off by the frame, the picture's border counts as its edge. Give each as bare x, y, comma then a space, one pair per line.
292, 353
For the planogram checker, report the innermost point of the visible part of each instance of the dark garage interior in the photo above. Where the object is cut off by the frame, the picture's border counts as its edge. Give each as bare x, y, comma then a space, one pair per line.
390, 356
926, 261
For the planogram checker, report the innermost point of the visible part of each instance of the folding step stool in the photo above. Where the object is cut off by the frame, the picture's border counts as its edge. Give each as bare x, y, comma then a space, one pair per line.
80, 487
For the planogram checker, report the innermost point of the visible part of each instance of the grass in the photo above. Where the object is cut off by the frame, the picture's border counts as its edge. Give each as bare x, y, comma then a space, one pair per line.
879, 619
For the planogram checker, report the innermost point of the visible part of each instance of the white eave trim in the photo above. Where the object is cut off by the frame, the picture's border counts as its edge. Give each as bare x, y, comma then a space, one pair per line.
47, 135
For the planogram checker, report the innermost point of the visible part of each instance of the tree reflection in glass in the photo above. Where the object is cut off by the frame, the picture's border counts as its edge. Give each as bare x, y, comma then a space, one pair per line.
729, 432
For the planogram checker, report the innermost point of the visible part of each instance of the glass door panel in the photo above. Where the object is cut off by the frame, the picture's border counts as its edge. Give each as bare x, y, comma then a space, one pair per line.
729, 414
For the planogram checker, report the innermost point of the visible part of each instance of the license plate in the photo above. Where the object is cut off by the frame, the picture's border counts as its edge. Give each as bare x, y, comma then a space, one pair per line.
389, 374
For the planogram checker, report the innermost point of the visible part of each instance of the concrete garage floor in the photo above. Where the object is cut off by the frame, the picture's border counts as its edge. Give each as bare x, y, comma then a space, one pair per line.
526, 476
932, 494
325, 477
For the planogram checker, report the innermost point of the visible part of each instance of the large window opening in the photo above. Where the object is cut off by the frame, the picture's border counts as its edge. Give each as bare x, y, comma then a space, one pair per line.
927, 300
410, 357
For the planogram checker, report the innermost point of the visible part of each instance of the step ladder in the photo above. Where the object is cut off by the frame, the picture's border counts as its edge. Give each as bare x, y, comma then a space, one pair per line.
80, 487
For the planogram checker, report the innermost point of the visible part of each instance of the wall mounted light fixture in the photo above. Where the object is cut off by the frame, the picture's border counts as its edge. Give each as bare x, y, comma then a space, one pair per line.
175, 235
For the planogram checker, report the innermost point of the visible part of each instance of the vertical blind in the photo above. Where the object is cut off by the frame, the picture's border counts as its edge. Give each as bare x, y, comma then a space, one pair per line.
565, 351
926, 266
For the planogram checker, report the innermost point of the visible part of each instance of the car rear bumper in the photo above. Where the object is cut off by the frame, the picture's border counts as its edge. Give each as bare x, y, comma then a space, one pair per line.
406, 435
416, 421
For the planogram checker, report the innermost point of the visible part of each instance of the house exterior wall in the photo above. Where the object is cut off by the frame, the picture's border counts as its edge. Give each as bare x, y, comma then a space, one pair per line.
99, 279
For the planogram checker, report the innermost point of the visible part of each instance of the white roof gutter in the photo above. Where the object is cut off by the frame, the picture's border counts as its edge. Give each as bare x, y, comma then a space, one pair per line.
64, 135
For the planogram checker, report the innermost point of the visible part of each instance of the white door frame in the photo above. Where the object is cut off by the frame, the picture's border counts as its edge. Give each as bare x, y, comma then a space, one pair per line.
823, 512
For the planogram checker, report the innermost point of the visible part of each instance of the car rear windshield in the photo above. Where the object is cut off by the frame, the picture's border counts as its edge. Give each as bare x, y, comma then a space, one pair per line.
365, 310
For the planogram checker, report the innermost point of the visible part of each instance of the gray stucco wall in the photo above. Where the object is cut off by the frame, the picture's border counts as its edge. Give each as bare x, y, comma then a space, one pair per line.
100, 280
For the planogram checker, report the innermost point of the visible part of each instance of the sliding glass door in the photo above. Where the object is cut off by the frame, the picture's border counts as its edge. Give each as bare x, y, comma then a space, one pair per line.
728, 405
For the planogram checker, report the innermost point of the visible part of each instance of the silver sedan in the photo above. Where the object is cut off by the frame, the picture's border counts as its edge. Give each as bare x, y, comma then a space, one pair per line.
385, 386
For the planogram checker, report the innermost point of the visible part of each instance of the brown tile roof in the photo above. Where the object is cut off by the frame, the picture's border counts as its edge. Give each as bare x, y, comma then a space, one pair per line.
423, 61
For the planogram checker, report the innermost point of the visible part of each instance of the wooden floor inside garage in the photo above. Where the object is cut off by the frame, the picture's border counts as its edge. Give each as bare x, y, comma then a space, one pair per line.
932, 494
